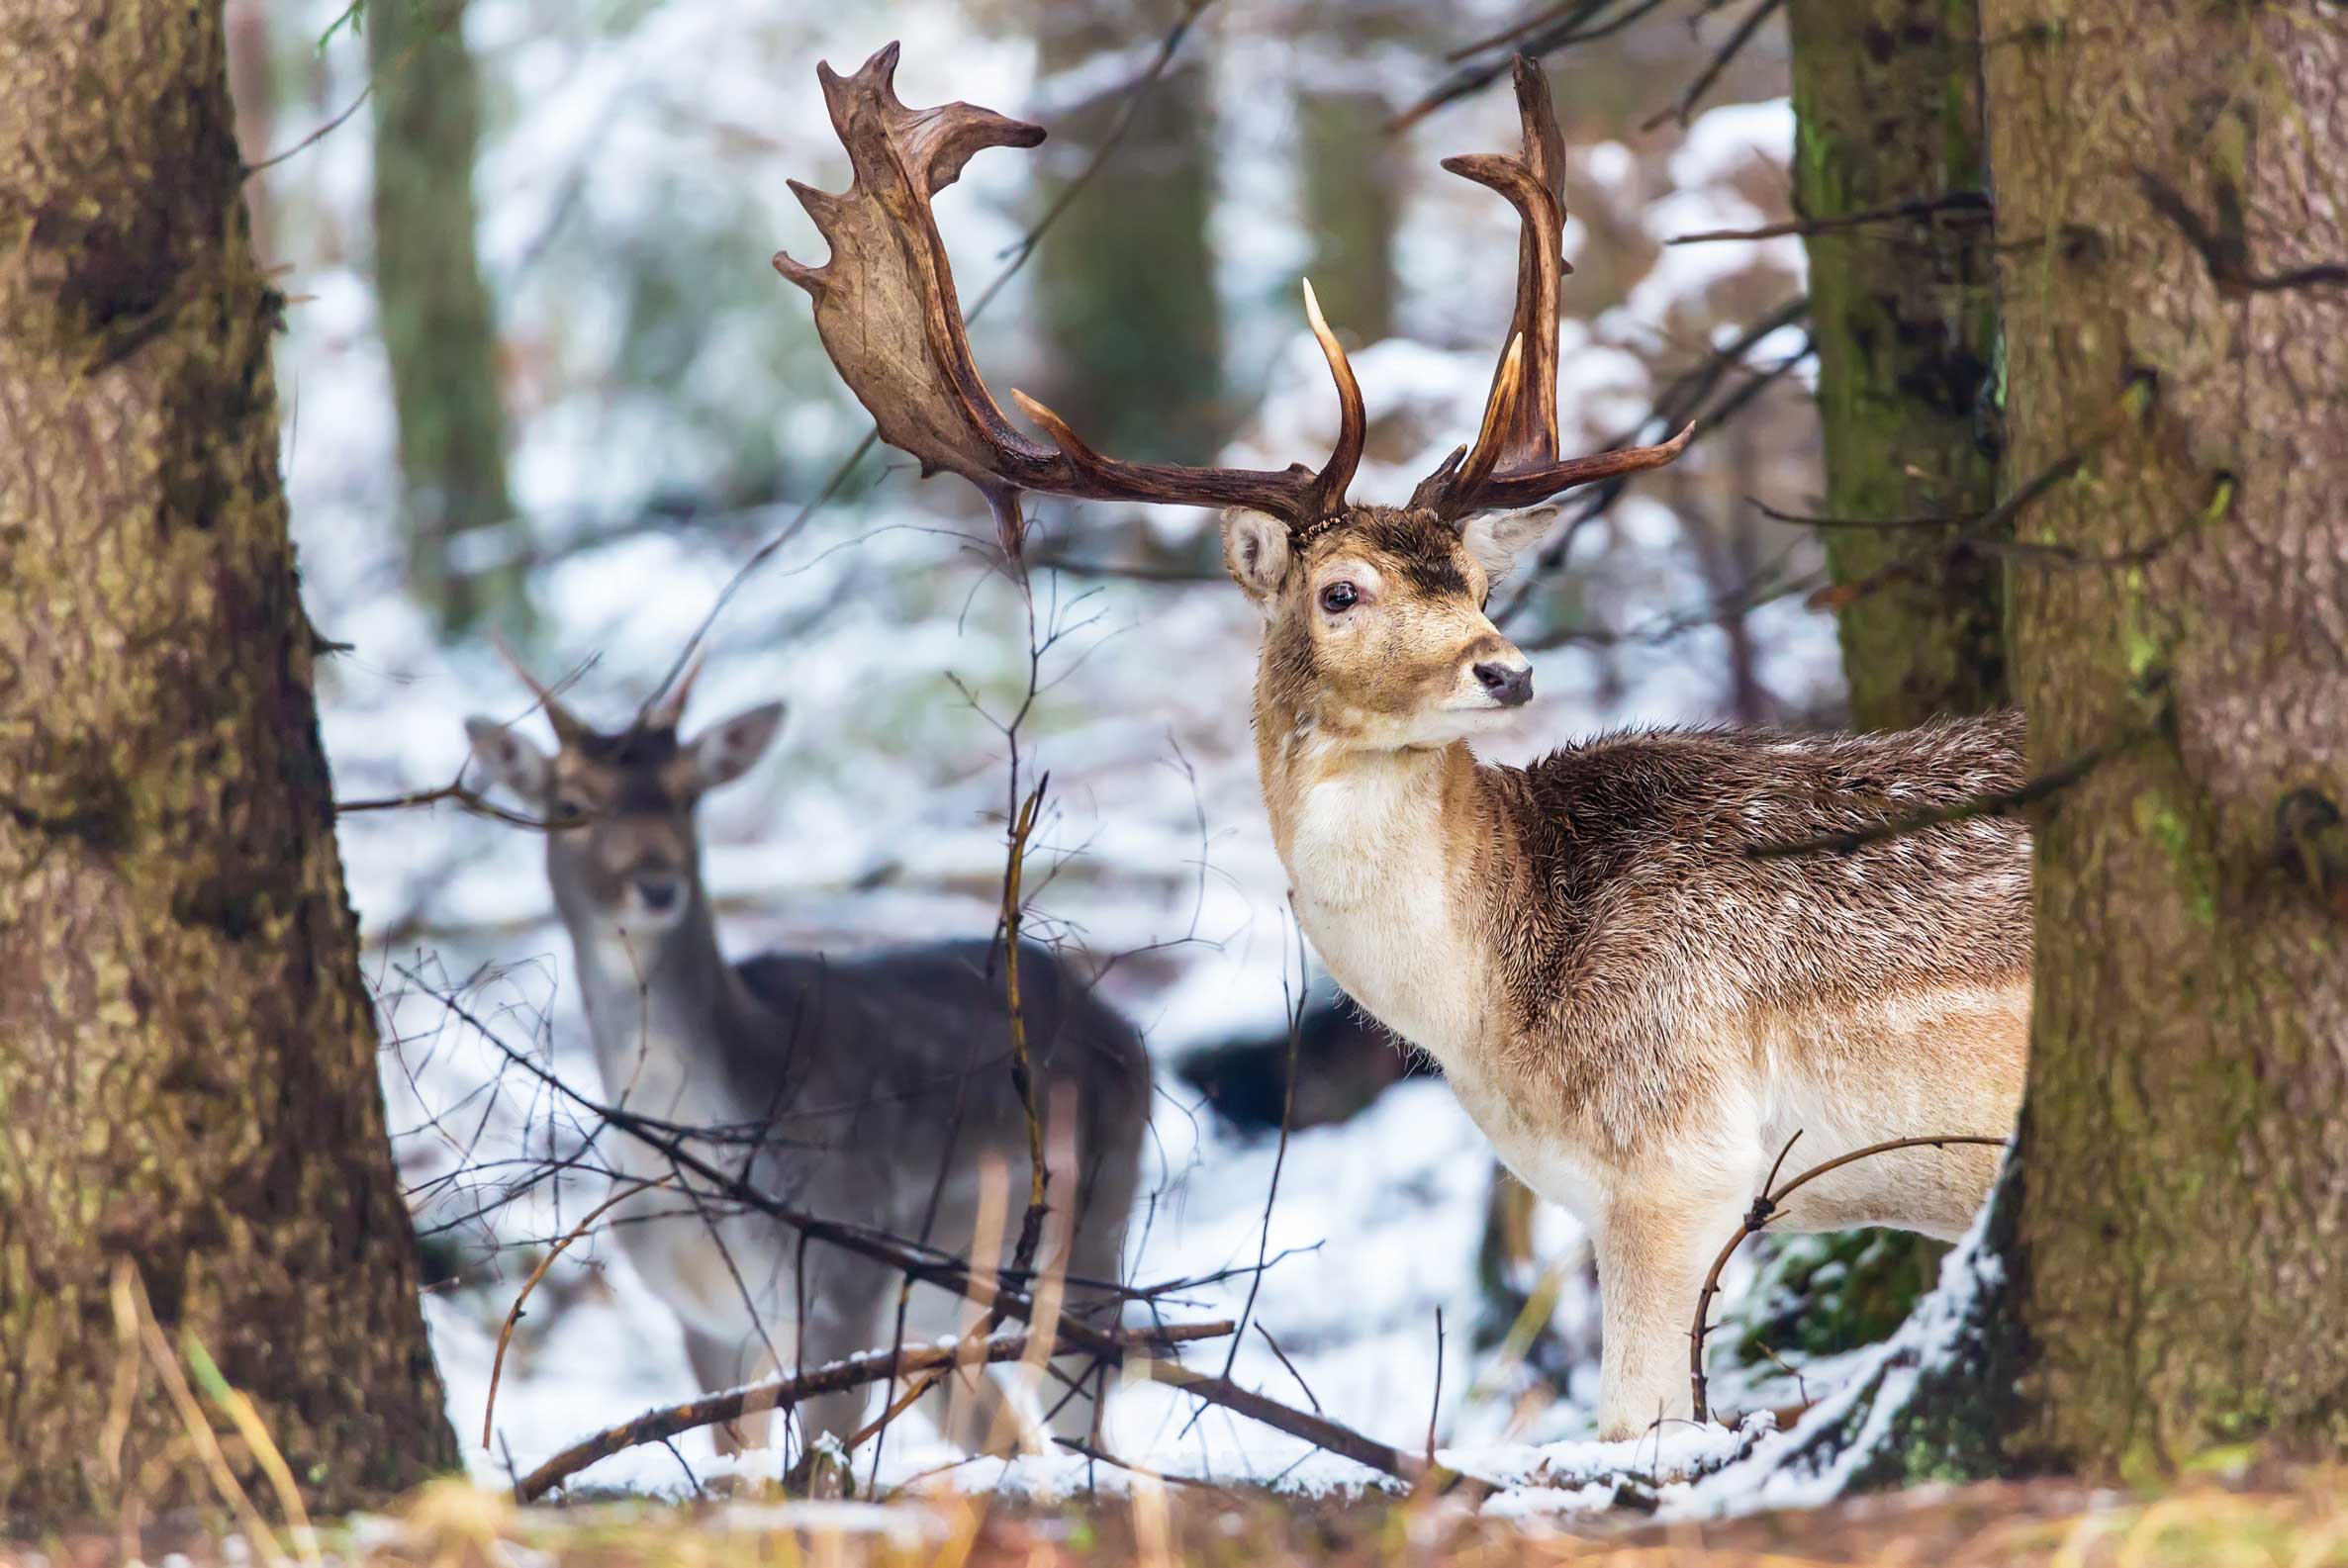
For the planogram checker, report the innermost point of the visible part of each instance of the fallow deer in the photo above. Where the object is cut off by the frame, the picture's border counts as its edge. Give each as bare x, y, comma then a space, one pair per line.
870, 1089
1637, 1011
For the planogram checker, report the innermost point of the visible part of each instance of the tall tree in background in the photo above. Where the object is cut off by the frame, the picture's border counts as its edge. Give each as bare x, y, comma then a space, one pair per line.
1126, 281
1887, 103
439, 328
2173, 223
188, 1082
1887, 107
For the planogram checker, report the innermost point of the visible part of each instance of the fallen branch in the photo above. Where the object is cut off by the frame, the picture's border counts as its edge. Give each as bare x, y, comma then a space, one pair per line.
658, 1426
944, 1269
1767, 1207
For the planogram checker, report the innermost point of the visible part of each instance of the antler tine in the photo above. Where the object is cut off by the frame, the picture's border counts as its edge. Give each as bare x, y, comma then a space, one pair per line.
1352, 431
1514, 461
567, 726
664, 709
886, 312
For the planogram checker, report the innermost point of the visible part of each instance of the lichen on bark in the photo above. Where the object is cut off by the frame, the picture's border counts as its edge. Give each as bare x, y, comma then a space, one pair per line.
189, 1074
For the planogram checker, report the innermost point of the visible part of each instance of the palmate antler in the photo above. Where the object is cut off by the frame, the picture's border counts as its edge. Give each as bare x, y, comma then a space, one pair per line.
1514, 461
887, 313
886, 309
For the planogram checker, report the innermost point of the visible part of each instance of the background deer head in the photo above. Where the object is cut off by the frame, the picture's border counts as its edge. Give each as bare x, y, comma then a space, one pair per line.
625, 851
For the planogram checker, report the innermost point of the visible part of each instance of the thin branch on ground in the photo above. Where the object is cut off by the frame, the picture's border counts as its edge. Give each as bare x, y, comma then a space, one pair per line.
1766, 1206
855, 1371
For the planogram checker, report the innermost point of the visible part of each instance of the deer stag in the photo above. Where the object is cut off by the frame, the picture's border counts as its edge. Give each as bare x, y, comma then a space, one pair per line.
871, 1090
1636, 1011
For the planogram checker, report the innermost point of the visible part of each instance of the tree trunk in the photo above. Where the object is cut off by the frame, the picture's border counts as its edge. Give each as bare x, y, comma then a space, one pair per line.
1888, 111
1126, 278
1352, 205
439, 328
188, 1080
2182, 1275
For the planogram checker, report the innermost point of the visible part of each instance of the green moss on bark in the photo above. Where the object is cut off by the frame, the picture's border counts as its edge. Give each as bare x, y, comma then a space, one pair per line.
187, 1078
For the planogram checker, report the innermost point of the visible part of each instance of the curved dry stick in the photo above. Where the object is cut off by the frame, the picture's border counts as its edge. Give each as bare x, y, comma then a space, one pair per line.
497, 1366
1764, 1209
658, 1426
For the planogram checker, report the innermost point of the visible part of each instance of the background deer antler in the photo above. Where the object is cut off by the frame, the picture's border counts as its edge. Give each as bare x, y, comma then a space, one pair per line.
887, 311
1514, 461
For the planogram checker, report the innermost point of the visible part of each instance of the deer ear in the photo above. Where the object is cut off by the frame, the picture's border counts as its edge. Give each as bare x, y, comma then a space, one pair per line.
509, 759
1497, 538
726, 750
1256, 552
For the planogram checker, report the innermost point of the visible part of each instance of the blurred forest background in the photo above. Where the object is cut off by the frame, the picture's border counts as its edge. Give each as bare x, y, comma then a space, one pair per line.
565, 399
535, 380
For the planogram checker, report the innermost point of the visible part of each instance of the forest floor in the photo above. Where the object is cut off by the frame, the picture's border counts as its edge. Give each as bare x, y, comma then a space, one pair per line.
2268, 1514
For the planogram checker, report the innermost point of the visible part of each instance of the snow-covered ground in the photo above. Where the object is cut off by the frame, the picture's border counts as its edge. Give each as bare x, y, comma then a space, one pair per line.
879, 819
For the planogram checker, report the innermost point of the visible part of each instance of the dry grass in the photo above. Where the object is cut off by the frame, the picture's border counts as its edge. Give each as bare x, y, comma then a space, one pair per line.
2270, 1517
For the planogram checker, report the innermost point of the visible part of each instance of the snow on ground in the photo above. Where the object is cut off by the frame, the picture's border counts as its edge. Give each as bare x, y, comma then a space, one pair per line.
878, 818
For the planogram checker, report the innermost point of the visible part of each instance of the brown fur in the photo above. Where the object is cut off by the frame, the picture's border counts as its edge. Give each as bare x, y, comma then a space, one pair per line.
1637, 1010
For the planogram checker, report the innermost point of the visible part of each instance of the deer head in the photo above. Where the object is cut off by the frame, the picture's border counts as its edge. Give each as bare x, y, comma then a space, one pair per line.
626, 853
1376, 626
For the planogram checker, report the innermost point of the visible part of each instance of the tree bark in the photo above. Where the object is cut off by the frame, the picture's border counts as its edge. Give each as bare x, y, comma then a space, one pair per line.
2181, 1273
439, 329
1887, 100
1888, 111
189, 1073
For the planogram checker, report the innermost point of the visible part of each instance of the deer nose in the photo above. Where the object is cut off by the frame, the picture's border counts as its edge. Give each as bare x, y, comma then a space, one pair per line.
658, 892
1510, 685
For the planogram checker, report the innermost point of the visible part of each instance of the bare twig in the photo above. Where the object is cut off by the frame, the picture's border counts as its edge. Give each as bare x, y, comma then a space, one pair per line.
1720, 59
1013, 909
940, 1268
2224, 244
1974, 206
497, 1365
275, 158
1996, 803
1991, 532
459, 794
1766, 1206
1292, 1366
1021, 252
855, 1371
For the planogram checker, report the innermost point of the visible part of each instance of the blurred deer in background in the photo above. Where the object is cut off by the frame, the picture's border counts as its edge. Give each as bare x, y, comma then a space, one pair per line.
862, 1090
1636, 1010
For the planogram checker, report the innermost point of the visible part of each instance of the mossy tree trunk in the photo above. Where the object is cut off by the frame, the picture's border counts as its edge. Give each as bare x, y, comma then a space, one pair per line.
439, 329
187, 1052
2180, 1272
1126, 279
1888, 111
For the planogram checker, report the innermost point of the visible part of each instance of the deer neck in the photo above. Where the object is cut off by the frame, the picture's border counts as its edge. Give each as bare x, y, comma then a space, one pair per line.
659, 1007
1377, 846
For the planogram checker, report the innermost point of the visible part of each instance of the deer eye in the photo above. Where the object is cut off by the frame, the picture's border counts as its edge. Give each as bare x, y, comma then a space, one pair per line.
567, 808
1338, 598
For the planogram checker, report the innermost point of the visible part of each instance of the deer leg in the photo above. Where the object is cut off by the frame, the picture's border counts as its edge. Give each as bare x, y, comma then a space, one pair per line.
843, 1317
1653, 1250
